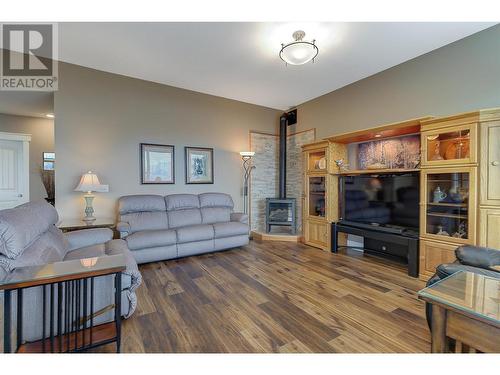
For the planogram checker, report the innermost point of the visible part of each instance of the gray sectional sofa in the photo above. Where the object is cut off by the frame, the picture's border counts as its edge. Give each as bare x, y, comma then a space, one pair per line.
29, 237
159, 228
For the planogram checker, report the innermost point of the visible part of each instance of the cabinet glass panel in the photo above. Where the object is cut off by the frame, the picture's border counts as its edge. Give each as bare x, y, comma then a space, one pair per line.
317, 194
317, 161
452, 145
447, 205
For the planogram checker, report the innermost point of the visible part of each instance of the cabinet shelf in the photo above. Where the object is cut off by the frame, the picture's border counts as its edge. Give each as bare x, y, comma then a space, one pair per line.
451, 216
446, 180
317, 170
447, 204
377, 171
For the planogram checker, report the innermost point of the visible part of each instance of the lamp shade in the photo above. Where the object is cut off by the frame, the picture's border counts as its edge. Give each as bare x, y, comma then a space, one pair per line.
90, 182
247, 153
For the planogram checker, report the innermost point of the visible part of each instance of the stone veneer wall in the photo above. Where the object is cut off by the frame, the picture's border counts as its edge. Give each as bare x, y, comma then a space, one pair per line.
264, 178
295, 169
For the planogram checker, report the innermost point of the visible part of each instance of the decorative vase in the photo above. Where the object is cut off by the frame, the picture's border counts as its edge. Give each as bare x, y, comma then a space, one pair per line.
439, 195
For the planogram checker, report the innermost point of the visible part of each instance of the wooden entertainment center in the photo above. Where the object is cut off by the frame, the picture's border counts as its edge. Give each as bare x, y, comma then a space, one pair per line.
459, 182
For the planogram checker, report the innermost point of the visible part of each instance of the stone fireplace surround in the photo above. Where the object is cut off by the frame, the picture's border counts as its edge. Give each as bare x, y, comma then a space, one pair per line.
264, 178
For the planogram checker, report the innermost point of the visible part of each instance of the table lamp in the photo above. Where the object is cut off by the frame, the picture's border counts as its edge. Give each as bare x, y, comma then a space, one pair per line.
88, 184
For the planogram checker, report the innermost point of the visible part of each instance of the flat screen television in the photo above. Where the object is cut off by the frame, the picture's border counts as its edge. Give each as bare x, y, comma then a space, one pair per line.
390, 200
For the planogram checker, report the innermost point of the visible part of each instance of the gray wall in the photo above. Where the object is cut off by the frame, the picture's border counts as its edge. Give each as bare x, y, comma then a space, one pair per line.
101, 118
42, 140
459, 77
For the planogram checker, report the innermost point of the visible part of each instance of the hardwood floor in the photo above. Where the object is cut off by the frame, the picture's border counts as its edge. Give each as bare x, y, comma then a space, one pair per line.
276, 297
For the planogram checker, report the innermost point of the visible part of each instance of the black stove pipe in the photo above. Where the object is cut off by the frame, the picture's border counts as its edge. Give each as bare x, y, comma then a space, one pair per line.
282, 157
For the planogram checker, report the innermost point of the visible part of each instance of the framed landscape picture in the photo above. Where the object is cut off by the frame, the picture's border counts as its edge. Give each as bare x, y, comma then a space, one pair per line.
199, 165
157, 164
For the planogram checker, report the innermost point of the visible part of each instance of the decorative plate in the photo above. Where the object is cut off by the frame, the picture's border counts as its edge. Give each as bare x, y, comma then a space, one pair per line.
322, 163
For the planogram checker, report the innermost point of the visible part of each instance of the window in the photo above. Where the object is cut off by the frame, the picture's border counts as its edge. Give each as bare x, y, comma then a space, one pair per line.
49, 159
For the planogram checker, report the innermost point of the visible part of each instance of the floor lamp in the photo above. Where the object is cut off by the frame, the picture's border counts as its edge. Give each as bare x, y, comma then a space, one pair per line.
246, 156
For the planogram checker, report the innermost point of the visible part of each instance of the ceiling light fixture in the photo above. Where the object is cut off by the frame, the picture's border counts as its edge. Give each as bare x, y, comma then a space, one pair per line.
300, 51
50, 115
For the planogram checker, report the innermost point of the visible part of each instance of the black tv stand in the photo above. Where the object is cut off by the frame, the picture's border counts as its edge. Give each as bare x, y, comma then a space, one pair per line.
380, 228
387, 242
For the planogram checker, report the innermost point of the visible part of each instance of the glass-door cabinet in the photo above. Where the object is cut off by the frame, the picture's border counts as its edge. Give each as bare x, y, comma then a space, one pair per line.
317, 196
449, 145
317, 185
448, 209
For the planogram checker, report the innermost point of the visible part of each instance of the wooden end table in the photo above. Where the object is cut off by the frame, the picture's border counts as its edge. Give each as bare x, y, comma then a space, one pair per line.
68, 305
69, 225
466, 308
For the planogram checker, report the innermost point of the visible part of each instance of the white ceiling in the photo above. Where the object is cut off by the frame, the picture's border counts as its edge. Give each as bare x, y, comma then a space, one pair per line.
240, 60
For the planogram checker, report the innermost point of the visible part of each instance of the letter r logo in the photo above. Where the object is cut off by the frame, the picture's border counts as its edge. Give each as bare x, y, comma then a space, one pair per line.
28, 49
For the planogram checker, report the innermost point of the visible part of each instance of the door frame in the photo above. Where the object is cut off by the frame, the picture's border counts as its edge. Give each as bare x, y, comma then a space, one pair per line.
25, 139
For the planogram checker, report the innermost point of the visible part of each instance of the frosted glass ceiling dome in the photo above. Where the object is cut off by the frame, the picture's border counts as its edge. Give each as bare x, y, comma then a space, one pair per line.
300, 51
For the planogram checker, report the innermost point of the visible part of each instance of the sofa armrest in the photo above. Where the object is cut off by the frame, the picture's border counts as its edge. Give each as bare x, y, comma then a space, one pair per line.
124, 228
481, 257
88, 237
119, 247
239, 217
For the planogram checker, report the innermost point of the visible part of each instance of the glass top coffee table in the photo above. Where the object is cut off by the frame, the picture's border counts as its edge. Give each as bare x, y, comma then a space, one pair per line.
466, 308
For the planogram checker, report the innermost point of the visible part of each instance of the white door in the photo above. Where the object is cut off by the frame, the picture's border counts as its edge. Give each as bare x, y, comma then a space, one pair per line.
14, 169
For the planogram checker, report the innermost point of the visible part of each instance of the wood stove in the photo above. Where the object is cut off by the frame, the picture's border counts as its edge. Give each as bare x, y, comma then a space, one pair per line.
281, 211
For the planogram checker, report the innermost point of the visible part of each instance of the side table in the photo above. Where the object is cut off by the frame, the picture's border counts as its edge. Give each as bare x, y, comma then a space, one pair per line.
465, 308
68, 225
68, 305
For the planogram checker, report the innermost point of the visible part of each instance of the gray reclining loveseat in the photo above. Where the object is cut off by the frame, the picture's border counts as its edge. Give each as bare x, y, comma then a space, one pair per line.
159, 228
29, 237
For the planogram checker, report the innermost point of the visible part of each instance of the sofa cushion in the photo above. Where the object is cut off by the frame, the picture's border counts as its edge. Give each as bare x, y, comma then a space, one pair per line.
195, 233
151, 238
181, 201
141, 203
211, 215
216, 200
184, 218
139, 221
48, 248
155, 254
230, 229
22, 225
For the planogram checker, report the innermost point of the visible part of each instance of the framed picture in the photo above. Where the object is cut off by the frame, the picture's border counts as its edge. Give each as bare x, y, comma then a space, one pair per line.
199, 165
157, 164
